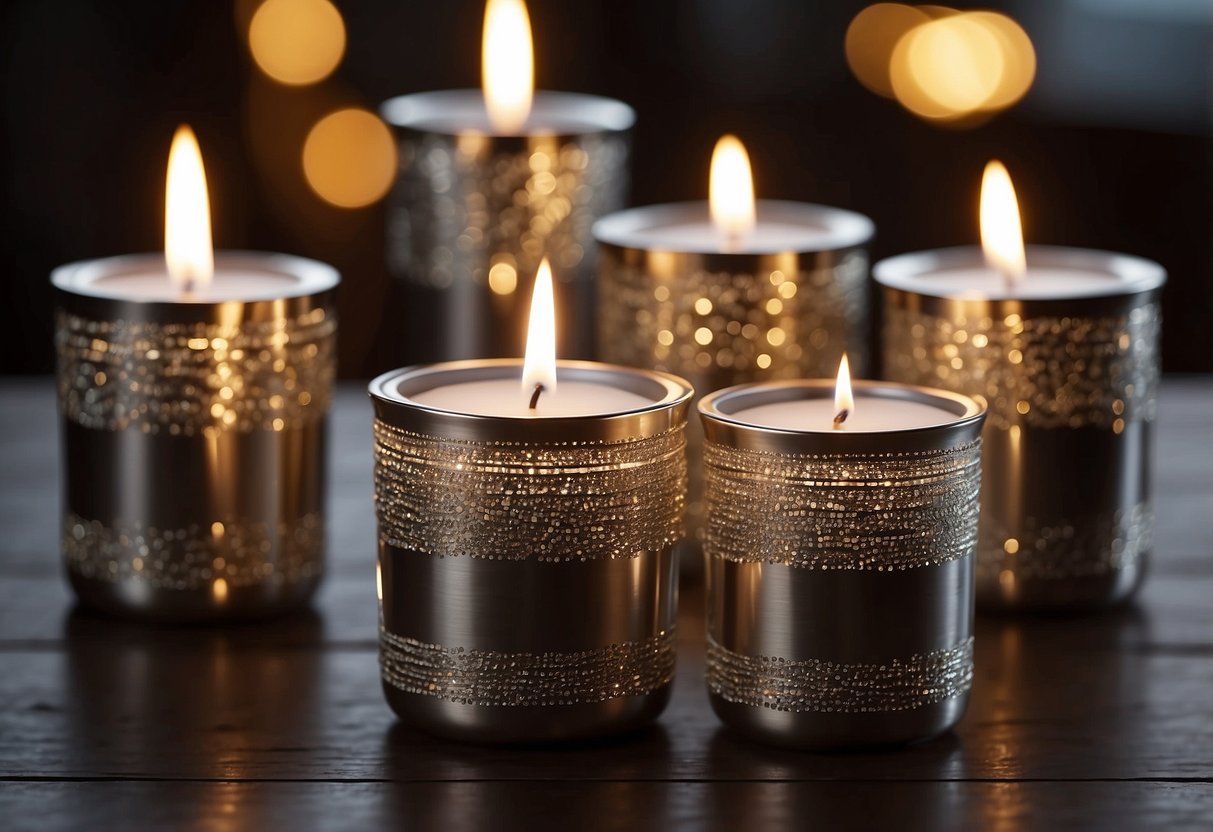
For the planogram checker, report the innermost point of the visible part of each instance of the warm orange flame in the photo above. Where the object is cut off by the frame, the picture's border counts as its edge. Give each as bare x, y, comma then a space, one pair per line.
844, 400
1001, 232
187, 214
539, 366
731, 188
507, 64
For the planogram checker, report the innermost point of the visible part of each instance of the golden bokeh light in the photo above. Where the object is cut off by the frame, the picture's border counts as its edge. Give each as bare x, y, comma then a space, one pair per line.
939, 63
297, 42
349, 158
871, 38
503, 279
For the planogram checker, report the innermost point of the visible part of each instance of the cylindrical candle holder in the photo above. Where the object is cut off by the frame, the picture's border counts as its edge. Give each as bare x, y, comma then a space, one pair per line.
840, 569
526, 583
194, 436
769, 310
1071, 383
471, 212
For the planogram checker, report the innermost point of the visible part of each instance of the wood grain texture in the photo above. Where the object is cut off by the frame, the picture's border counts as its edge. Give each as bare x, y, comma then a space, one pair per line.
1095, 722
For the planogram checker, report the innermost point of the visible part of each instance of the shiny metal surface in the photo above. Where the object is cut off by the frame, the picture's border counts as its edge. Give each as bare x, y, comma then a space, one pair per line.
768, 315
823, 641
467, 202
1071, 384
194, 444
519, 611
529, 622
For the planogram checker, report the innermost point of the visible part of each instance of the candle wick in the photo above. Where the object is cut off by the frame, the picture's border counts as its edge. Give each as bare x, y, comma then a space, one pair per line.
535, 396
840, 417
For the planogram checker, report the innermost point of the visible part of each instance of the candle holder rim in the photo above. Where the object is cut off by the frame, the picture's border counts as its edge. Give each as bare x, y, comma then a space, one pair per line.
721, 426
1139, 274
606, 115
311, 277
385, 393
850, 228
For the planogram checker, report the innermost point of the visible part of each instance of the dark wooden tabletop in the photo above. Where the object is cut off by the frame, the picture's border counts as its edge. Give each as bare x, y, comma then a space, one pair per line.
1102, 722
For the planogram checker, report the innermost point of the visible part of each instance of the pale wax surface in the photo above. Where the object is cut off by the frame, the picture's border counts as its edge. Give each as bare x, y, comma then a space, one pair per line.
506, 397
869, 415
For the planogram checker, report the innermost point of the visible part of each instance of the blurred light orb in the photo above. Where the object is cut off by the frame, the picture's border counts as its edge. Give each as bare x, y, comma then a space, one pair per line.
871, 38
947, 67
349, 158
297, 42
941, 64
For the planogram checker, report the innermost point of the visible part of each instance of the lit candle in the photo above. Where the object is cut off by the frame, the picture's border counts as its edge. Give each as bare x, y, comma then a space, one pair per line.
1063, 345
527, 515
491, 181
841, 524
193, 389
514, 397
732, 290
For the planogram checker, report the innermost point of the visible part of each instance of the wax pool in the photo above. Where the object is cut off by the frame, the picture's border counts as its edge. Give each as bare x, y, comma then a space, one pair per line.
506, 397
869, 415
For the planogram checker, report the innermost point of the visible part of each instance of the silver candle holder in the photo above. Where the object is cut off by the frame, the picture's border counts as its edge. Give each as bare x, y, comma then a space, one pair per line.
193, 438
472, 211
526, 582
1071, 384
720, 319
840, 570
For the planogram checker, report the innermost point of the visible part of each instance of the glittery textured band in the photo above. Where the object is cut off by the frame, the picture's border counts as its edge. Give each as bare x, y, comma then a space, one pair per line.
722, 328
511, 501
241, 553
879, 512
1099, 545
464, 209
485, 677
190, 378
823, 686
1040, 371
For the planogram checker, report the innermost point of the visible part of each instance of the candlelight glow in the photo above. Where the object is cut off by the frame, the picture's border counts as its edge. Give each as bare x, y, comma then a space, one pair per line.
539, 366
844, 401
507, 67
187, 214
731, 188
297, 42
349, 158
1001, 231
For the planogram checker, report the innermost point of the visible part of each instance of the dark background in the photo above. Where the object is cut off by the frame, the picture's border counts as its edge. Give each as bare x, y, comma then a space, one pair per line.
1113, 147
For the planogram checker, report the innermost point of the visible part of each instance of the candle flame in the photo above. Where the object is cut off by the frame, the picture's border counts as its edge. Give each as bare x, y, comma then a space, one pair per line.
1001, 231
844, 400
539, 366
507, 64
187, 214
731, 188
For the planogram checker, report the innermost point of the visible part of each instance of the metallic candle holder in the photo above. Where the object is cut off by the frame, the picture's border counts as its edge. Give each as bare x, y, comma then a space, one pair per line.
840, 570
194, 437
472, 212
1071, 384
526, 582
721, 319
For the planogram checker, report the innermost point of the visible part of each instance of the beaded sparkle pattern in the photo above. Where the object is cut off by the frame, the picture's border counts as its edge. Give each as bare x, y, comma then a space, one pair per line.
242, 553
1101, 545
723, 328
185, 379
877, 512
491, 678
464, 210
1038, 371
822, 686
518, 500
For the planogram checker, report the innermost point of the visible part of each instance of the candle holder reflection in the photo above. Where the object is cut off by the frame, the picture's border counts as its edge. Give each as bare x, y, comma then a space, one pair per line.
840, 574
194, 438
527, 586
673, 297
1072, 385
